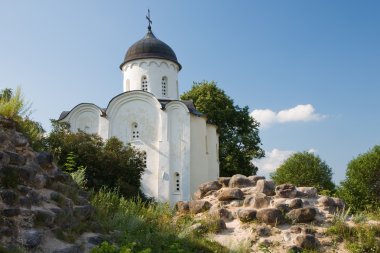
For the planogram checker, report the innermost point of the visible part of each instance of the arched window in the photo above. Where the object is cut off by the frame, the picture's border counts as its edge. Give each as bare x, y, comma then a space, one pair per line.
144, 83
164, 85
135, 132
177, 182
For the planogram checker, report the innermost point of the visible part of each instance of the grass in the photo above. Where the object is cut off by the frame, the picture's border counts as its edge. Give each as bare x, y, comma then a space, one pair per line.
148, 227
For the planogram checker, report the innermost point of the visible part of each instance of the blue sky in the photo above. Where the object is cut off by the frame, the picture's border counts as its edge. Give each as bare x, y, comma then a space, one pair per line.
308, 70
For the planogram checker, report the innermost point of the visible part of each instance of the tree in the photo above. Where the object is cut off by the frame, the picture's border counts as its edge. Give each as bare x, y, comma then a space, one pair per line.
239, 140
304, 169
361, 188
108, 163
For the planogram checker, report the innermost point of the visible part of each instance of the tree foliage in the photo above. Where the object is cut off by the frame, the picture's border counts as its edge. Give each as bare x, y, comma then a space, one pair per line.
108, 163
239, 140
361, 188
305, 169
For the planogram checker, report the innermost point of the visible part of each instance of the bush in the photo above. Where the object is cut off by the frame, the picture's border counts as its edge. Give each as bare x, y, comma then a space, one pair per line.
107, 163
361, 188
305, 169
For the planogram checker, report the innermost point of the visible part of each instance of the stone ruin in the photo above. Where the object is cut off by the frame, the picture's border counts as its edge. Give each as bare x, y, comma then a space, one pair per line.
41, 208
255, 212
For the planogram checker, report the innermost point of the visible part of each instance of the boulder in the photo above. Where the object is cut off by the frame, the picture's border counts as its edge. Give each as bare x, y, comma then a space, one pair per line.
263, 231
45, 160
246, 215
221, 213
286, 191
254, 179
197, 195
227, 194
295, 203
209, 186
224, 181
199, 206
266, 187
270, 216
10, 212
240, 181
15, 159
307, 192
306, 241
182, 206
4, 159
30, 238
44, 217
300, 215
259, 200
9, 197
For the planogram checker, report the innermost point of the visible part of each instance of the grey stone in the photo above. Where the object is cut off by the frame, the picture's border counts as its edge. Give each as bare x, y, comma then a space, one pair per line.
45, 160
307, 192
19, 140
270, 216
300, 215
199, 206
263, 231
15, 159
266, 187
225, 181
9, 197
10, 212
44, 217
306, 241
209, 186
83, 212
4, 159
182, 206
254, 179
221, 213
197, 195
286, 191
246, 215
295, 203
227, 194
30, 238
240, 181
326, 201
69, 248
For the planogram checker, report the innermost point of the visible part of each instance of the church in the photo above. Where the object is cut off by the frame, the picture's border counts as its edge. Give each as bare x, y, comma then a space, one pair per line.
180, 146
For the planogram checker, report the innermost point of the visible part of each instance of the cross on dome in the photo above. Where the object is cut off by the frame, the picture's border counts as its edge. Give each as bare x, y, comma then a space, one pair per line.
149, 20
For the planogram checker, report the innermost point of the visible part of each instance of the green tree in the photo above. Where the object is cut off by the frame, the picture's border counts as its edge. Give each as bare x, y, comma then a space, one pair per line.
108, 163
361, 188
239, 140
304, 169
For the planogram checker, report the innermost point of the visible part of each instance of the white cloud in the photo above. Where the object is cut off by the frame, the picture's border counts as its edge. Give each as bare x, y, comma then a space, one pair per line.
267, 117
271, 161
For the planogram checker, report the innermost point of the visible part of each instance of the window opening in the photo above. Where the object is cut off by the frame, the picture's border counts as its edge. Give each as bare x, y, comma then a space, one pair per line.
144, 83
135, 131
144, 159
164, 85
177, 182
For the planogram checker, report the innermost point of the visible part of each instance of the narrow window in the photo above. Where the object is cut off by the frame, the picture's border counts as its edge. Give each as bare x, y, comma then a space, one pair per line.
164, 86
144, 159
206, 144
135, 132
177, 184
144, 83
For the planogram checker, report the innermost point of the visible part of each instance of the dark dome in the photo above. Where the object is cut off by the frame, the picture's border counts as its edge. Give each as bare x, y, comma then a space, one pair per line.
150, 47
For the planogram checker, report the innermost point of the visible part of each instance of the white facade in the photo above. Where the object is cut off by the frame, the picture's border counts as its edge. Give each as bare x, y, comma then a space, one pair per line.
181, 147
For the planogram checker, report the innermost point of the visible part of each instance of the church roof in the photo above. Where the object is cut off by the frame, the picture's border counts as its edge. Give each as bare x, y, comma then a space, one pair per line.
150, 47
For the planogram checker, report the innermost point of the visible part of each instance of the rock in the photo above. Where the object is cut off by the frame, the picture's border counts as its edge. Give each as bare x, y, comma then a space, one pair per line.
4, 159
221, 213
246, 215
19, 140
270, 216
240, 181
197, 195
326, 201
45, 160
10, 212
225, 181
27, 172
259, 200
254, 179
199, 206
25, 202
83, 212
30, 238
15, 159
236, 203
307, 192
338, 203
266, 187
263, 231
7, 123
44, 217
39, 181
294, 249
209, 186
9, 197
226, 194
90, 240
182, 206
282, 207
300, 215
286, 191
295, 203
306, 241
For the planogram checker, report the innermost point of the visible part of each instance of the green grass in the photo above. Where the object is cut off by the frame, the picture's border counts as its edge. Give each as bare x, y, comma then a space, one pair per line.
148, 227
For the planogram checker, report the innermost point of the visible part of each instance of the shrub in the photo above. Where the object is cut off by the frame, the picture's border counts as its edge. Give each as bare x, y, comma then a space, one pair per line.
305, 169
361, 188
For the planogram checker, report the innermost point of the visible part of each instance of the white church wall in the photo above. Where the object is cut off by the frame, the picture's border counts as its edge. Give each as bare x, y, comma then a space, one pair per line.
179, 151
212, 152
135, 118
199, 163
154, 70
85, 117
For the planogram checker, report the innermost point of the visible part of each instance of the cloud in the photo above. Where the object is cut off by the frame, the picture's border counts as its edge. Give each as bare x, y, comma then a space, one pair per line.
271, 161
304, 113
